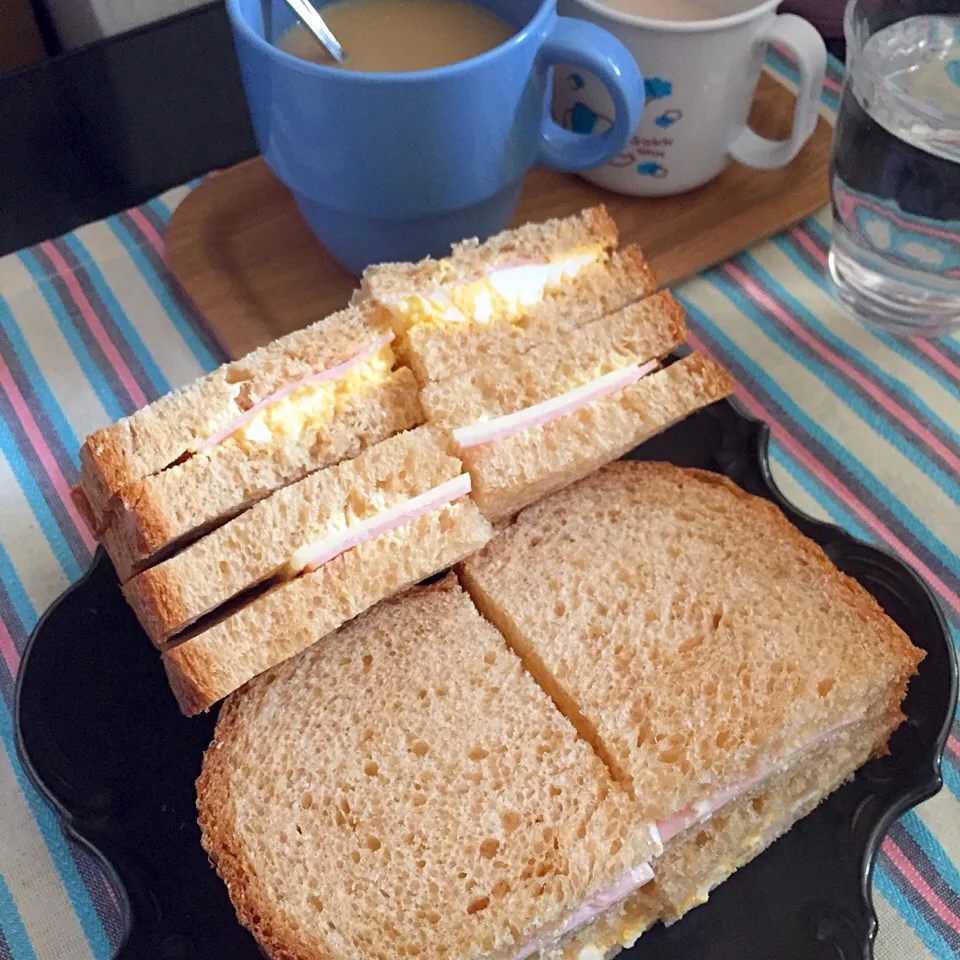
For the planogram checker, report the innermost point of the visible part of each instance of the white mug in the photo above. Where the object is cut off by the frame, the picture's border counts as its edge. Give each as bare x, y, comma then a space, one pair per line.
700, 79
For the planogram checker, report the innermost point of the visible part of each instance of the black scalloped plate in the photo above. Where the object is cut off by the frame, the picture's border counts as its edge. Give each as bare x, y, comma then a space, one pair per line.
99, 734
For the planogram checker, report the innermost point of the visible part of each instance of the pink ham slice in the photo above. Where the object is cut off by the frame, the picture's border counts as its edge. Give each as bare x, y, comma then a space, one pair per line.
629, 883
552, 409
696, 813
332, 374
385, 521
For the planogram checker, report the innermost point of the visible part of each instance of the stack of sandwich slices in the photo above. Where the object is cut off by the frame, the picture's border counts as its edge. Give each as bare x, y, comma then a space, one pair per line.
637, 685
261, 507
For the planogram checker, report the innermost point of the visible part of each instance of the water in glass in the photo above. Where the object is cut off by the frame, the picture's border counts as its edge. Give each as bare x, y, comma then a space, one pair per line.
895, 172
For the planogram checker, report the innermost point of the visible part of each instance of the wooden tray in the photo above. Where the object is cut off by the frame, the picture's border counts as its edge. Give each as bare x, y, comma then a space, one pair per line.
244, 254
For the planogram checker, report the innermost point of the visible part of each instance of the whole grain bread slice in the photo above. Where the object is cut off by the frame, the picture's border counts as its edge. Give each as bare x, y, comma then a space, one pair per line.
405, 789
712, 638
158, 435
154, 516
647, 329
469, 259
436, 352
512, 473
295, 614
259, 543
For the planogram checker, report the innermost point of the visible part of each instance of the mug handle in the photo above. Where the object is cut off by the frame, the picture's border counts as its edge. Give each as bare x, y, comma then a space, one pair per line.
803, 41
591, 47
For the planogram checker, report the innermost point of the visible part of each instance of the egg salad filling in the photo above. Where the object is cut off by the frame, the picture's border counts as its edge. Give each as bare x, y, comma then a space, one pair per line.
369, 515
596, 906
296, 413
505, 293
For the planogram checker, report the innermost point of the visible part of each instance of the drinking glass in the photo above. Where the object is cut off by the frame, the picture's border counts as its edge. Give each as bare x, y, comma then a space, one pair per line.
895, 168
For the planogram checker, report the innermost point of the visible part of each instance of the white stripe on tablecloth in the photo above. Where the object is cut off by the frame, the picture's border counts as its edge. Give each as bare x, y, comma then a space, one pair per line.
39, 896
821, 304
62, 372
141, 307
895, 940
892, 468
29, 550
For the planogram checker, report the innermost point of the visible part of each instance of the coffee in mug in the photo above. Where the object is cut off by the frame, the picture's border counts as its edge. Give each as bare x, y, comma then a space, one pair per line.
666, 9
399, 36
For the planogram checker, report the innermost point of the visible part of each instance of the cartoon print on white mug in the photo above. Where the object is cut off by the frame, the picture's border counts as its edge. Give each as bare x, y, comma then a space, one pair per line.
700, 77
581, 118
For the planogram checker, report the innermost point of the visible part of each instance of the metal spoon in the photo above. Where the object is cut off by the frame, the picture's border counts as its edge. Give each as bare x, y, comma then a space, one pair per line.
307, 12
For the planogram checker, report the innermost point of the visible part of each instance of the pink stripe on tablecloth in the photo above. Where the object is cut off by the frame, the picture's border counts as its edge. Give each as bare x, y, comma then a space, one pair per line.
148, 230
8, 650
43, 451
912, 876
926, 347
885, 400
94, 324
834, 484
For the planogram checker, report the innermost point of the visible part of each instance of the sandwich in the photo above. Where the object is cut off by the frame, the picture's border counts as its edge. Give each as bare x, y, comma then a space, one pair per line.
643, 681
725, 671
302, 561
405, 789
199, 456
497, 299
530, 425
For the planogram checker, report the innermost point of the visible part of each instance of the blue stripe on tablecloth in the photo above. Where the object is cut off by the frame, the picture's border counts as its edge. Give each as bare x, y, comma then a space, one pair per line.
791, 249
939, 938
127, 390
126, 334
906, 438
107, 388
834, 510
158, 214
807, 431
14, 942
22, 355
151, 268
883, 881
899, 389
86, 295
51, 520
898, 433
939, 871
20, 605
59, 850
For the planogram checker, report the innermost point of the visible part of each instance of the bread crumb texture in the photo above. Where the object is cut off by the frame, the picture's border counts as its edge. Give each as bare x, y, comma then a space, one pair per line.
405, 789
686, 627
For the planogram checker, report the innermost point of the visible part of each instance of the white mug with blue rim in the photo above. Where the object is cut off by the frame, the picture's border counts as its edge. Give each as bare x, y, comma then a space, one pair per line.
700, 77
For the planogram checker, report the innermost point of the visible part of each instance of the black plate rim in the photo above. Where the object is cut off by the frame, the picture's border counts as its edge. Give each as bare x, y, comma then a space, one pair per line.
758, 443
921, 791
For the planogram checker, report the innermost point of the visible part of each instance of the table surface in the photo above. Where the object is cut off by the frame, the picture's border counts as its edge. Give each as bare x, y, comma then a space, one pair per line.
866, 428
97, 130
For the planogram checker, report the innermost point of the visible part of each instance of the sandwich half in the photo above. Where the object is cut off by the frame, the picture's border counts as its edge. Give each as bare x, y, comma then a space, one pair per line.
697, 640
498, 298
200, 455
303, 561
406, 790
533, 424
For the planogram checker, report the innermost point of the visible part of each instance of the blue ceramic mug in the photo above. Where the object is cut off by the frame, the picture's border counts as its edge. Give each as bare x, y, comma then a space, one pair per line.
395, 166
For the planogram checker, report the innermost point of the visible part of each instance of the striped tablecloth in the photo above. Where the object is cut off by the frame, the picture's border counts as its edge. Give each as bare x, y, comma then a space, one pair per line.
866, 433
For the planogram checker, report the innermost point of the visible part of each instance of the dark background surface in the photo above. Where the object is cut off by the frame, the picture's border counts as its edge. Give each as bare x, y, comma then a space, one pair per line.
89, 133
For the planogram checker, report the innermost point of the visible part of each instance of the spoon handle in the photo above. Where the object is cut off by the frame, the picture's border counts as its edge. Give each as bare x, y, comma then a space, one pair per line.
314, 22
